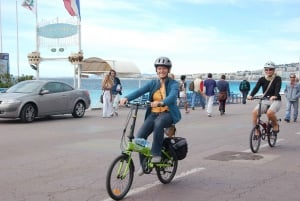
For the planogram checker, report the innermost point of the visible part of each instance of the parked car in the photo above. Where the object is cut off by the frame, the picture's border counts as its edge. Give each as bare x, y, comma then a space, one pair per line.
30, 99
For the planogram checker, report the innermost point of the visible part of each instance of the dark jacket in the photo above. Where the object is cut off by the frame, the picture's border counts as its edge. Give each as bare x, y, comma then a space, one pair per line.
274, 89
114, 88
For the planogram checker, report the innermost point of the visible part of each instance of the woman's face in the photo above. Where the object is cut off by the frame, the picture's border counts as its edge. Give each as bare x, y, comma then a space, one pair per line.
269, 71
162, 71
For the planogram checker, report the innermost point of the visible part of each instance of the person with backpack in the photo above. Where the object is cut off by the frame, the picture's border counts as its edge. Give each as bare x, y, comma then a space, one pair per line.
196, 86
244, 89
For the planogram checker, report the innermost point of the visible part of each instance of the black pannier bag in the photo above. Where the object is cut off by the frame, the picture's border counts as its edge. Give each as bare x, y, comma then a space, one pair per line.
180, 146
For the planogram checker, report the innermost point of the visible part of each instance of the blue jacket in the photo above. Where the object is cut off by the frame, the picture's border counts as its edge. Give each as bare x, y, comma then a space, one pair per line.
170, 100
292, 93
223, 86
210, 86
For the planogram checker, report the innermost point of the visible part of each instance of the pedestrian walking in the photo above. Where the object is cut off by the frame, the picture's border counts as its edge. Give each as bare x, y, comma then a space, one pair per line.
292, 94
107, 109
116, 91
210, 91
198, 92
244, 89
224, 93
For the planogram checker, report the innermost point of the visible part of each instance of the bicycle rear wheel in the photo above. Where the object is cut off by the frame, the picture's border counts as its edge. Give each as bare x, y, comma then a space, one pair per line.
272, 138
119, 177
167, 170
255, 139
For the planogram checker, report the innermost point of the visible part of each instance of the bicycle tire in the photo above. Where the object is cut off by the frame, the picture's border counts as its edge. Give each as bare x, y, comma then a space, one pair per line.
272, 138
119, 177
255, 140
166, 174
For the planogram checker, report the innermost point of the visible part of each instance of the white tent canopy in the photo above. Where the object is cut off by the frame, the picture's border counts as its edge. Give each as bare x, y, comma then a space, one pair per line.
98, 66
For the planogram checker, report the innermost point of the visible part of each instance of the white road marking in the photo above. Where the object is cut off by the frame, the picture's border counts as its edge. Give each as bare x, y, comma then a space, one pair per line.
298, 133
147, 186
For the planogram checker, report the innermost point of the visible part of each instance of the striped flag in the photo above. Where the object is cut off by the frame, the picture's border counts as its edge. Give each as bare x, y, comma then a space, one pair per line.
73, 7
30, 4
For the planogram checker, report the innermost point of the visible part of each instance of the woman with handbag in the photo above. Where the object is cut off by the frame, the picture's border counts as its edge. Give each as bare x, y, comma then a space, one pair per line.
224, 92
107, 105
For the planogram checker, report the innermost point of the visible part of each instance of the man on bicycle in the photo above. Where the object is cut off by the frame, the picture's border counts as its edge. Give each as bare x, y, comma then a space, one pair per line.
271, 85
163, 112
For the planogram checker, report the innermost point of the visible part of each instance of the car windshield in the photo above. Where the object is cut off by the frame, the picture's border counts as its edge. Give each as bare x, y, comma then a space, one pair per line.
24, 87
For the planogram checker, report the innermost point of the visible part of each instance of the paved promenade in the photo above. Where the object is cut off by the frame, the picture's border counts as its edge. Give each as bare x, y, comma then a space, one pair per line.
66, 159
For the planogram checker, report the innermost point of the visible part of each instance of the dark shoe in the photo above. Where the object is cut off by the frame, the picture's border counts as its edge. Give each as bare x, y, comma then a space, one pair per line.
295, 120
287, 120
193, 108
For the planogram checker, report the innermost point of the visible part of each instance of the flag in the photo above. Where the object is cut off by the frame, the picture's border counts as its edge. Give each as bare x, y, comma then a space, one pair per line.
30, 4
73, 7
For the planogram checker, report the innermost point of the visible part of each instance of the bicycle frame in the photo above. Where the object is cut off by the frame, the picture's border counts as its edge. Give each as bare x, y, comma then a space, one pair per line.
133, 147
120, 174
261, 130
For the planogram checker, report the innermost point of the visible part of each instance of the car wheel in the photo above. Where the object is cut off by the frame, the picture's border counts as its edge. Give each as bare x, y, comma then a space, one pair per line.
79, 110
28, 113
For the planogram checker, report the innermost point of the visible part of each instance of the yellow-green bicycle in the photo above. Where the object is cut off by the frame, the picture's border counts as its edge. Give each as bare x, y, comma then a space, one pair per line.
120, 174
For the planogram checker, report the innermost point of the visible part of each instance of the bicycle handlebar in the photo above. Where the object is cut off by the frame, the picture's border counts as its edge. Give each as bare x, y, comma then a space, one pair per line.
260, 98
134, 103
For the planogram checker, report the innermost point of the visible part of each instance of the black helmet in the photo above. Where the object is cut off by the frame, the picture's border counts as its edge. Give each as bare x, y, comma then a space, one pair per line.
163, 61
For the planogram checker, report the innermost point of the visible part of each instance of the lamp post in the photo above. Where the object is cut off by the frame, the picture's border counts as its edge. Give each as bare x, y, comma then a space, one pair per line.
34, 60
76, 60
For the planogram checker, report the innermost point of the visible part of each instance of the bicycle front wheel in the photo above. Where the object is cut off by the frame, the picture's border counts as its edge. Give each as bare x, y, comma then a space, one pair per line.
167, 168
119, 177
272, 138
255, 139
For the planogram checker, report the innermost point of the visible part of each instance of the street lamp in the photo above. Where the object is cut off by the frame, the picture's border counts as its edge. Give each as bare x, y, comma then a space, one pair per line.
34, 60
76, 60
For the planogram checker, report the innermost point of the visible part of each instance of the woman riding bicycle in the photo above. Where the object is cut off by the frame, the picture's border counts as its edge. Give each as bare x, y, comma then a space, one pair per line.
163, 112
272, 103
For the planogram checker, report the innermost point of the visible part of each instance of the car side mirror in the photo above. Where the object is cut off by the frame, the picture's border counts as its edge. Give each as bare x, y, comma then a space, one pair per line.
44, 91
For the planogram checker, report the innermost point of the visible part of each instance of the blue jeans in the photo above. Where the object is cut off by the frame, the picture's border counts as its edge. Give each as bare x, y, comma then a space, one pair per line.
289, 105
155, 122
201, 99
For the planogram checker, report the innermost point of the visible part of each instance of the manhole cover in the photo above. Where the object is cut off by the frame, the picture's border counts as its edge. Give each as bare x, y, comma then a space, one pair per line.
233, 155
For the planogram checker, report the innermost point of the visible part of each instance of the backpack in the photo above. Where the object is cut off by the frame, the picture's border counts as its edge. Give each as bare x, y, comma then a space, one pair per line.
244, 86
192, 86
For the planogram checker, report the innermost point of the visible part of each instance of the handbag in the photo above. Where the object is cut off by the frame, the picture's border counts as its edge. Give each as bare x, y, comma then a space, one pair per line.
101, 97
222, 96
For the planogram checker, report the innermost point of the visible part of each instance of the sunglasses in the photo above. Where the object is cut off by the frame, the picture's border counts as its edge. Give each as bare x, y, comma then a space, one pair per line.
292, 77
269, 69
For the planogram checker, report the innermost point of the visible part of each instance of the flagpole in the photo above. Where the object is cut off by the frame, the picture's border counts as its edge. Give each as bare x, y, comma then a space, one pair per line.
18, 55
0, 26
37, 40
80, 51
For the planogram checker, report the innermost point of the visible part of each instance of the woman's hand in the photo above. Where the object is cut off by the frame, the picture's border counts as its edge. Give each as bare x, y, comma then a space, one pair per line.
123, 101
157, 104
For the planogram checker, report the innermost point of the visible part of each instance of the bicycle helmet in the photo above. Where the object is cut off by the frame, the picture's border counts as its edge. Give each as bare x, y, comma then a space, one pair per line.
269, 64
163, 61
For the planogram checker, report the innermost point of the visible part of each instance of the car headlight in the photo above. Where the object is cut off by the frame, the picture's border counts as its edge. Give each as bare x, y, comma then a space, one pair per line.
10, 101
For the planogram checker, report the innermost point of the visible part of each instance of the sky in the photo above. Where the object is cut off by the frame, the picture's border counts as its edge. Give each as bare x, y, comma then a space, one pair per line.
199, 36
